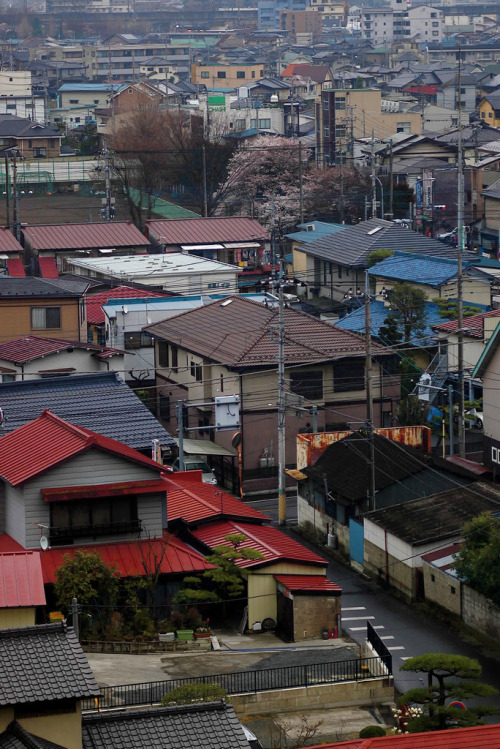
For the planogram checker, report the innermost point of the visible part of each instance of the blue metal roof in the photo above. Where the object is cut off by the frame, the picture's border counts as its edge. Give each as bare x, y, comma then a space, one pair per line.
101, 402
69, 87
321, 229
355, 321
423, 269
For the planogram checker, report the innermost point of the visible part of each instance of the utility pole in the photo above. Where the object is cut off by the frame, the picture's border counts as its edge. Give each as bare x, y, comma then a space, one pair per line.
74, 616
460, 232
7, 191
301, 186
179, 412
107, 172
369, 390
281, 400
341, 184
391, 183
204, 179
374, 186
16, 224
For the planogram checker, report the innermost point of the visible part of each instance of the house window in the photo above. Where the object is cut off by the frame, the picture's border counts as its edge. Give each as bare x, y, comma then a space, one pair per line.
240, 124
348, 374
73, 101
433, 578
196, 371
205, 74
162, 354
175, 358
52, 142
40, 152
10, 378
138, 339
308, 384
164, 407
403, 127
103, 516
43, 318
453, 590
240, 74
30, 144
221, 74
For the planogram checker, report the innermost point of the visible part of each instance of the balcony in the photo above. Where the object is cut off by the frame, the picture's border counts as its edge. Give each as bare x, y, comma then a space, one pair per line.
66, 534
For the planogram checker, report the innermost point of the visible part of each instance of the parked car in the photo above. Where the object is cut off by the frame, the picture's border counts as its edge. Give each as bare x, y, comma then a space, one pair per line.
449, 237
474, 418
196, 464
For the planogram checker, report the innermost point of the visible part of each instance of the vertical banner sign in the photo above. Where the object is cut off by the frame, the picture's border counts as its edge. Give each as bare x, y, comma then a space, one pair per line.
418, 193
427, 190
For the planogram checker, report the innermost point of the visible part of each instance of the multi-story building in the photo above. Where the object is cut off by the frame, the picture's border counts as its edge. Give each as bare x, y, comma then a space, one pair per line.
17, 98
377, 24
482, 53
214, 75
268, 11
335, 12
344, 115
302, 22
426, 23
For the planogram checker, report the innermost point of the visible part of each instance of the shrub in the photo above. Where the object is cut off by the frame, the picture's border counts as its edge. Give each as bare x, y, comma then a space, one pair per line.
194, 693
371, 732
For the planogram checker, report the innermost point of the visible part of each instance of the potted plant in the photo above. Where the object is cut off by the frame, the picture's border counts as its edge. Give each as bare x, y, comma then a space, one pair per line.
203, 631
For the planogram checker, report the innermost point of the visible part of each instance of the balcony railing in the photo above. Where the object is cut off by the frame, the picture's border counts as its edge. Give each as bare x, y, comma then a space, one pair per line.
69, 532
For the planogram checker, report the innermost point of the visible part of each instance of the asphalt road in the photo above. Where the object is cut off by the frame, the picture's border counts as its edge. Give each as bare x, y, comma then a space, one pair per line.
404, 629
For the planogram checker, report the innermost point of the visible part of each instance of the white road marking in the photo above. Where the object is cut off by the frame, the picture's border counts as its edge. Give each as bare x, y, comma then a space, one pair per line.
397, 647
363, 629
354, 608
356, 618
387, 637
405, 657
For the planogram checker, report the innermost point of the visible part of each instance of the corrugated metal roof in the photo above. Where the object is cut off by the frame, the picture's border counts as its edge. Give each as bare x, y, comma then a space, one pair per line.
176, 557
8, 242
477, 737
48, 267
206, 230
15, 268
47, 441
197, 501
33, 347
95, 302
404, 266
236, 332
21, 582
315, 583
272, 544
84, 236
8, 544
472, 326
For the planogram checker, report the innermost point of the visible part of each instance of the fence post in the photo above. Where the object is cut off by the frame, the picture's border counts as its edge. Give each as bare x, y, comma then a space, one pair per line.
304, 678
255, 682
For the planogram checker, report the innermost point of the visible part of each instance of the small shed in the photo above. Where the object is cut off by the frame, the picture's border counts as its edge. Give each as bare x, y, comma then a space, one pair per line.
307, 605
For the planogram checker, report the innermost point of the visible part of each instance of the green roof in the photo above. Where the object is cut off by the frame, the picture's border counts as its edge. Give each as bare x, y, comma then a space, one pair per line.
163, 208
487, 353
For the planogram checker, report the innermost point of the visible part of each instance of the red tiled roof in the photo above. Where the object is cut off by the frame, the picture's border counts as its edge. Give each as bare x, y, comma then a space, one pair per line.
312, 583
15, 268
21, 582
473, 326
85, 236
206, 230
131, 556
477, 737
273, 544
95, 302
317, 73
8, 544
32, 347
49, 440
48, 267
238, 334
8, 242
197, 501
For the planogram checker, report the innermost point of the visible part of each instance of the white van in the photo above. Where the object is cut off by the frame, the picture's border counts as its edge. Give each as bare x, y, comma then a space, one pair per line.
196, 463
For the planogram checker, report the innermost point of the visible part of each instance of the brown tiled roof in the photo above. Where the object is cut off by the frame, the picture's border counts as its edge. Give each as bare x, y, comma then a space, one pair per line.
206, 230
237, 332
473, 326
84, 236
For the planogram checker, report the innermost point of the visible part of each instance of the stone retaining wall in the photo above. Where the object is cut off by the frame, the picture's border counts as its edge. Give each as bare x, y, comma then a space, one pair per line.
480, 613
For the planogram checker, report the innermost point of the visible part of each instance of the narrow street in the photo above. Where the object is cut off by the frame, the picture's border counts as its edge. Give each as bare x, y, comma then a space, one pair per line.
403, 628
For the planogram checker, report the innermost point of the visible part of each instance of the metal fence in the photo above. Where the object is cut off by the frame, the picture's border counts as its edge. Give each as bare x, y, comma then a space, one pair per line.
150, 693
379, 647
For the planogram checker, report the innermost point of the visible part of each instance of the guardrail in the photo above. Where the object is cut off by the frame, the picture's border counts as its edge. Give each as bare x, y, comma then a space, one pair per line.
287, 677
380, 647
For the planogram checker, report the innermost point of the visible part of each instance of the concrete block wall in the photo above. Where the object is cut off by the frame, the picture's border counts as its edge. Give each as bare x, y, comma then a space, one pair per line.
479, 612
322, 696
319, 524
442, 589
388, 568
311, 614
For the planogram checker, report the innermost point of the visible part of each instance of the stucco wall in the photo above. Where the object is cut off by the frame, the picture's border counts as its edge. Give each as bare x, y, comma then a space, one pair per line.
439, 587
18, 617
400, 575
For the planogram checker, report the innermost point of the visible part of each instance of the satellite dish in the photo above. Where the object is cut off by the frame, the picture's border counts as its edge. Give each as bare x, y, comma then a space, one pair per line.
44, 543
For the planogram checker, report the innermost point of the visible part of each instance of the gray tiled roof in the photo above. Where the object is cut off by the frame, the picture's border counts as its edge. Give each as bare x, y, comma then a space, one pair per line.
16, 737
38, 287
211, 725
351, 246
101, 402
43, 663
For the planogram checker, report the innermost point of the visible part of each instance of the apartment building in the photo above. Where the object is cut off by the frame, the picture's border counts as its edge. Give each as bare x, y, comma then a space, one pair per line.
302, 22
377, 25
335, 12
268, 11
215, 75
344, 115
426, 24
